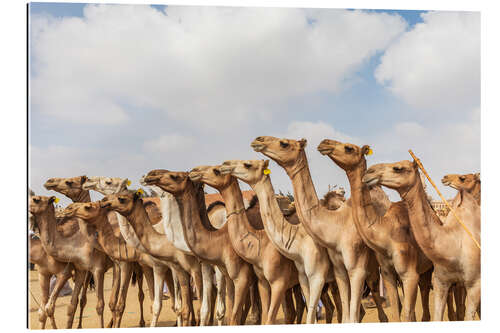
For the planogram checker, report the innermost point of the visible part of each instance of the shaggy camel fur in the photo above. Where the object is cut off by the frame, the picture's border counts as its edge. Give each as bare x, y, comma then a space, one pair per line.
292, 241
131, 206
168, 211
276, 273
469, 182
75, 249
201, 237
455, 257
353, 262
389, 236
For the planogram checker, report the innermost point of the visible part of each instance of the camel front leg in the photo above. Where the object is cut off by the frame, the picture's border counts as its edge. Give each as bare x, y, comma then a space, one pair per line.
342, 279
113, 297
230, 291
390, 284
288, 307
278, 289
440, 294
334, 290
221, 296
316, 283
50, 305
473, 300
79, 279
424, 284
241, 287
125, 275
83, 297
357, 277
159, 278
459, 294
256, 305
265, 297
327, 302
99, 277
300, 304
206, 299
373, 281
185, 288
198, 283
410, 283
452, 315
44, 280
140, 296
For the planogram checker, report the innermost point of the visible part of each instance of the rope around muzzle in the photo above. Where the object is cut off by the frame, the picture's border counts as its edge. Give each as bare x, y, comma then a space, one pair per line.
444, 200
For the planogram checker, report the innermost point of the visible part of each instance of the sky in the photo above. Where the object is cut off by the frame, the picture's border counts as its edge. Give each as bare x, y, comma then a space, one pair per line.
118, 90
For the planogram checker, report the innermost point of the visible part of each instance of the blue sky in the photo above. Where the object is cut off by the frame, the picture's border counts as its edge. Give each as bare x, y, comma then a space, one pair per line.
120, 90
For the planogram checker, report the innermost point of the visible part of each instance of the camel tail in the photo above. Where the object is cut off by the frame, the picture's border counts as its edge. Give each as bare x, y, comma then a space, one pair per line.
91, 282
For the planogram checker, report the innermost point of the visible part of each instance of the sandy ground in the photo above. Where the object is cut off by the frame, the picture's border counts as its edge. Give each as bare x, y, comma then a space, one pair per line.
131, 315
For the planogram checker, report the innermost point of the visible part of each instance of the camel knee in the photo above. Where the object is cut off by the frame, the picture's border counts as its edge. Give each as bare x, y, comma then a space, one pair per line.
70, 310
99, 307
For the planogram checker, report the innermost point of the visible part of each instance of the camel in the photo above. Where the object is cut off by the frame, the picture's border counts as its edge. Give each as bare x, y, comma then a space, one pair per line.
468, 182
388, 235
72, 188
75, 249
353, 262
131, 206
209, 244
169, 211
275, 272
455, 256
311, 260
334, 199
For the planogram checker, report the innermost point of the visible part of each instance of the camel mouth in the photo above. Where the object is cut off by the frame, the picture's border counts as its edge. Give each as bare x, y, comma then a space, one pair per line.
105, 205
49, 186
370, 180
226, 170
195, 177
325, 150
150, 180
258, 147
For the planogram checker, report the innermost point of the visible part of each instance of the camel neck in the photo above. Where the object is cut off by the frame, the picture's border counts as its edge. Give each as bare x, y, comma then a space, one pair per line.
82, 196
47, 224
200, 235
476, 192
139, 220
243, 236
113, 246
364, 214
303, 187
279, 230
425, 224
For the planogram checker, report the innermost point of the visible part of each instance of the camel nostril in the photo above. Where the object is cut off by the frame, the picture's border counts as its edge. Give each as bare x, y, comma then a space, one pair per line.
260, 138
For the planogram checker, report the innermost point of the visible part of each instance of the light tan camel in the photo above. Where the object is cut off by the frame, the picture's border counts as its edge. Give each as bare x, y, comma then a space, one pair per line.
75, 249
72, 188
334, 199
470, 182
455, 257
275, 272
131, 206
388, 235
210, 244
353, 262
167, 213
292, 241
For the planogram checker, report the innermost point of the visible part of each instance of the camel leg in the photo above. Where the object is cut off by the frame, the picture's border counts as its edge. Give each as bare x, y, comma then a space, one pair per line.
357, 278
452, 315
373, 282
79, 279
99, 278
410, 285
459, 294
50, 305
256, 305
126, 274
278, 289
300, 304
440, 293
424, 284
176, 299
241, 287
140, 296
334, 290
206, 298
186, 301
265, 297
198, 283
288, 307
316, 283
390, 284
221, 296
230, 291
245, 308
44, 280
159, 279
342, 279
473, 300
113, 297
83, 297
149, 275
325, 299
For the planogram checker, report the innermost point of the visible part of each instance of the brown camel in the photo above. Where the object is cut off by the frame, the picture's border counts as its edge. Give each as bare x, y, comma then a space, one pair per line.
292, 241
275, 272
131, 206
389, 235
75, 249
73, 189
353, 262
455, 257
210, 244
469, 182
333, 200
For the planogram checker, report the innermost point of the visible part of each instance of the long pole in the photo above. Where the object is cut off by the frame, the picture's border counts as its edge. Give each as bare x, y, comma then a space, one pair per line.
442, 198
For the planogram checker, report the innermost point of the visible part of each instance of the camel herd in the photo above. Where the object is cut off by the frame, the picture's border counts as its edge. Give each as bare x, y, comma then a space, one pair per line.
247, 259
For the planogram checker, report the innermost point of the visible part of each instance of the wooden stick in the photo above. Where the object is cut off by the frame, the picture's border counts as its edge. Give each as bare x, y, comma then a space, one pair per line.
442, 198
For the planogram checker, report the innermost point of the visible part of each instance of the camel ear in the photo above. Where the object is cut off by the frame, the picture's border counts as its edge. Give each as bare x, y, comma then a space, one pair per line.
415, 165
83, 179
366, 150
138, 194
52, 199
303, 143
478, 176
266, 164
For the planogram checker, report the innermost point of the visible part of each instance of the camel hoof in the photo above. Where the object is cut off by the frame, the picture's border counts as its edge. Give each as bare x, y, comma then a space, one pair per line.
142, 323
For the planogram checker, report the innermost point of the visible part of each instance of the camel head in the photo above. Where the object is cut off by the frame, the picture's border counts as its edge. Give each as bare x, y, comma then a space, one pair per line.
68, 186
285, 152
249, 171
170, 181
39, 204
286, 205
333, 200
399, 176
345, 155
465, 182
106, 185
123, 202
210, 175
87, 211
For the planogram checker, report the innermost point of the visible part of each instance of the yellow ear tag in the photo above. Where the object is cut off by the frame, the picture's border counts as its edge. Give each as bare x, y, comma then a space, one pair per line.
140, 191
56, 200
267, 171
369, 152
128, 182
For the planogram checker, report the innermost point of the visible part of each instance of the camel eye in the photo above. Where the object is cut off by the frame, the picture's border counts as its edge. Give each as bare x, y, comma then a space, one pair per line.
216, 172
174, 177
284, 144
121, 200
69, 183
87, 207
108, 183
349, 149
462, 178
398, 169
247, 165
36, 200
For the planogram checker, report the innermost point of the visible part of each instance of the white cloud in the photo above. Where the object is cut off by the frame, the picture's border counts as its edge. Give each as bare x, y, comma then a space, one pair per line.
169, 143
201, 65
436, 65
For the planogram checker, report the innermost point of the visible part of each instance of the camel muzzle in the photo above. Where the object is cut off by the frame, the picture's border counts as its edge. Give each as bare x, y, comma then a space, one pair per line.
195, 177
257, 146
226, 169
